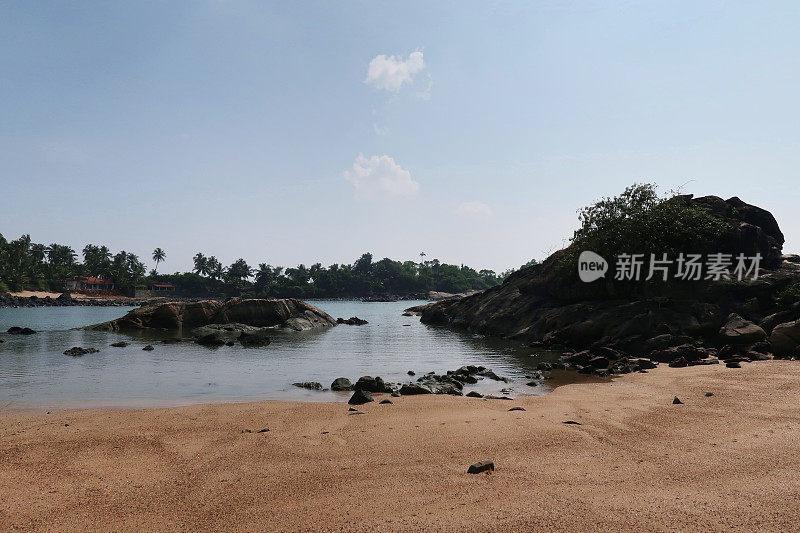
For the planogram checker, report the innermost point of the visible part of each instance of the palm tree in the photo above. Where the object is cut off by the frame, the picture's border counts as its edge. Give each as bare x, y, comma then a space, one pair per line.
158, 256
201, 264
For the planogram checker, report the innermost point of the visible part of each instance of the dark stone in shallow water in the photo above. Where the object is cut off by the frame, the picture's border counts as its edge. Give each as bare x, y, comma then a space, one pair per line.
311, 385
148, 348
16, 330
77, 351
340, 384
120, 344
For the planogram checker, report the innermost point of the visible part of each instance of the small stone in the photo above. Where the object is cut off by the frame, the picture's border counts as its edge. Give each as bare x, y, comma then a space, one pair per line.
148, 348
709, 394
733, 364
572, 422
474, 394
356, 413
411, 373
517, 409
396, 394
677, 401
263, 430
120, 344
532, 384
481, 466
247, 431
341, 384
384, 402
325, 432
77, 351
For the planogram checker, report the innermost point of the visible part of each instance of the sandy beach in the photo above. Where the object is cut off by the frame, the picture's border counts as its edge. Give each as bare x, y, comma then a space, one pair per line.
636, 461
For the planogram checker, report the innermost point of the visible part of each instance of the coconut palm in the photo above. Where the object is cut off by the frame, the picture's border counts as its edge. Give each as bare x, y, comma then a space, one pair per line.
158, 256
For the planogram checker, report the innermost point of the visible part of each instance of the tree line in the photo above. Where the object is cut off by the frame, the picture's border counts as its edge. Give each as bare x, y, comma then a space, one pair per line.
28, 265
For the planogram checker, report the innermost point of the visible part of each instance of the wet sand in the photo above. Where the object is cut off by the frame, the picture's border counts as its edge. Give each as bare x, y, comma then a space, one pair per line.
636, 462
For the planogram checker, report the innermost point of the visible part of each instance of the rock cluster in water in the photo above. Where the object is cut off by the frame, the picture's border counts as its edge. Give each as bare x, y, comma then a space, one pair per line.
606, 328
285, 313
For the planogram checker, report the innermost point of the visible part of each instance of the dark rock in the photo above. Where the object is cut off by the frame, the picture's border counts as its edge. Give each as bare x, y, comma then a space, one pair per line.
395, 394
481, 466
532, 384
382, 402
733, 364
517, 409
77, 351
708, 394
409, 389
352, 321
247, 431
738, 331
16, 330
785, 338
230, 343
311, 385
411, 373
572, 422
120, 344
493, 397
341, 384
255, 338
680, 362
676, 401
360, 397
370, 384
263, 430
148, 348
474, 394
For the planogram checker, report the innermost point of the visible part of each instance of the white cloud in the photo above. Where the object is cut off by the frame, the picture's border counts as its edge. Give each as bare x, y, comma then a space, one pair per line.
391, 72
380, 175
475, 210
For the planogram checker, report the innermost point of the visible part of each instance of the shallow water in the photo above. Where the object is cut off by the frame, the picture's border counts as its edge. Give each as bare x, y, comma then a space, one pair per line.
34, 371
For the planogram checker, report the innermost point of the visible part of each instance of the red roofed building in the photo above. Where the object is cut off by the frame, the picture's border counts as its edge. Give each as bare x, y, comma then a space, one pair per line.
87, 283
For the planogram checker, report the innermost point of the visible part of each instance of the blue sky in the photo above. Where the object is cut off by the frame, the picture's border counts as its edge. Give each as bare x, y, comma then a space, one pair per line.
293, 132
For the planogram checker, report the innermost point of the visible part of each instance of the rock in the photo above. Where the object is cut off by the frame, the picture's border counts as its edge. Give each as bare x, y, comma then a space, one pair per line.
676, 401
77, 351
572, 422
148, 348
517, 409
255, 338
411, 373
408, 313
396, 394
120, 344
352, 321
785, 338
493, 397
384, 402
263, 430
286, 313
474, 394
739, 331
733, 364
709, 394
481, 466
688, 352
370, 384
16, 330
247, 431
409, 389
311, 385
532, 384
341, 384
680, 362
360, 397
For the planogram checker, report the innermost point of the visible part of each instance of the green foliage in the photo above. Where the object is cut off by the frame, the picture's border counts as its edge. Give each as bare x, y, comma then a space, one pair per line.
641, 221
789, 294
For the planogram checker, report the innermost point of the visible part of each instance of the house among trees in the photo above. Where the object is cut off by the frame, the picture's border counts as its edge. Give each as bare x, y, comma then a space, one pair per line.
155, 289
87, 283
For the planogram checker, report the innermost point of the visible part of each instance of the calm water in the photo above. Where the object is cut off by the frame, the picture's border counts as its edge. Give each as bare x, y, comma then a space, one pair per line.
34, 371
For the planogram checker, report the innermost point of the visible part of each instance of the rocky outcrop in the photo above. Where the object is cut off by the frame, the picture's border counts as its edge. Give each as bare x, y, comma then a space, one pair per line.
219, 334
285, 313
688, 321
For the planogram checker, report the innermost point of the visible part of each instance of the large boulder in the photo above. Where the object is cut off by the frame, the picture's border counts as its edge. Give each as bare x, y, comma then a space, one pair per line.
740, 331
286, 313
785, 338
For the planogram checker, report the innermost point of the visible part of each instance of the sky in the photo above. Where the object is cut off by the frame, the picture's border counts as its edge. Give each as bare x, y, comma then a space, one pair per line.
304, 132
